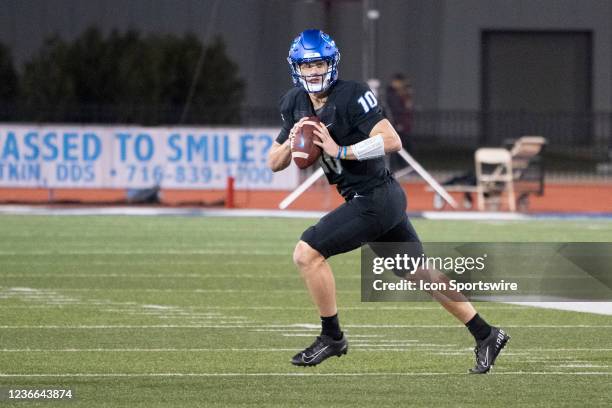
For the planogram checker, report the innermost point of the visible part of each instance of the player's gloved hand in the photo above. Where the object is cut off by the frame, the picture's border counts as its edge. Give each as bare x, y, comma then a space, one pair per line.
328, 144
296, 128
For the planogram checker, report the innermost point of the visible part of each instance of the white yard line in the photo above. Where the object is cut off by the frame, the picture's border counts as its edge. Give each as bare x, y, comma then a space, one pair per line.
215, 350
296, 374
362, 308
138, 275
603, 308
442, 326
219, 350
235, 252
197, 211
265, 291
231, 325
579, 366
164, 312
155, 211
143, 350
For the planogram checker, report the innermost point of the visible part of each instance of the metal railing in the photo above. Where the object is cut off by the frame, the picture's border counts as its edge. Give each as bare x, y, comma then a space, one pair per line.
474, 128
443, 139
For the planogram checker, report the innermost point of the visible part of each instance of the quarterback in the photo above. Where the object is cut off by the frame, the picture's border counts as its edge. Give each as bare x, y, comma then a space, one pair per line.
354, 137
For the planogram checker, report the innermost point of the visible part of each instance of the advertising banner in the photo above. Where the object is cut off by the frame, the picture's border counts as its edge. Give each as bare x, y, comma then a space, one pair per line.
65, 156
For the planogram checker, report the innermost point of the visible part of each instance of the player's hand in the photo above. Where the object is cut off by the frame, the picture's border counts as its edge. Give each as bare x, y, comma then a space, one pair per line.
328, 144
296, 128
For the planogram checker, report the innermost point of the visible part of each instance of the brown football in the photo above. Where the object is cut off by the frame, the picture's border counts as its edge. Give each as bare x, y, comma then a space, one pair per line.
305, 152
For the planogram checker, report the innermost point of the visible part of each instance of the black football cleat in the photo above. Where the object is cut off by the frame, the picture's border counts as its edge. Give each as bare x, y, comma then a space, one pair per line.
322, 348
488, 349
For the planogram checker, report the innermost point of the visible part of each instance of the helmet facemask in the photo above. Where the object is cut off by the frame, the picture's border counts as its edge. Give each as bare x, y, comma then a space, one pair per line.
327, 78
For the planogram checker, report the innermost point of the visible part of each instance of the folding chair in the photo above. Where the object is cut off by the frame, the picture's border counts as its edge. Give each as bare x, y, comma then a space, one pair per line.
524, 149
494, 182
527, 171
528, 168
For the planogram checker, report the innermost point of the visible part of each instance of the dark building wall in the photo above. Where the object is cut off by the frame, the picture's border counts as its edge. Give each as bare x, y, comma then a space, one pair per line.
436, 42
464, 20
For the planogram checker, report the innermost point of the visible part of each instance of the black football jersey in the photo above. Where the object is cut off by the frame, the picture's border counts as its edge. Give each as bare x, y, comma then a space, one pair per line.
350, 113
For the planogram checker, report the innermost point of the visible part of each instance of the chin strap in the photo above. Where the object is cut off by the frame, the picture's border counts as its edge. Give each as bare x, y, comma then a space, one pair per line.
371, 148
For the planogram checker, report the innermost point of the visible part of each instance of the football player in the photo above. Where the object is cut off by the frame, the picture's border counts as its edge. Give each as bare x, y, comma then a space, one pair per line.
354, 137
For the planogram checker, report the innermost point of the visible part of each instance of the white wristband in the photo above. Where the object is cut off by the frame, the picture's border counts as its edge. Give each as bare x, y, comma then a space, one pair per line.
371, 148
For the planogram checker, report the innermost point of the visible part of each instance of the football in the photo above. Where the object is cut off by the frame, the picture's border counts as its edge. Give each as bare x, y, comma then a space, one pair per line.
305, 152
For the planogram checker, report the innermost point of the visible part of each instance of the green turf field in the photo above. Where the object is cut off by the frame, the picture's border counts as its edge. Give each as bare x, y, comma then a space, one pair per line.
191, 311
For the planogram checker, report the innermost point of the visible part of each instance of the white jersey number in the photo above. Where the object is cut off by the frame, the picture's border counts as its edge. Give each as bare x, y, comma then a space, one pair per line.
367, 101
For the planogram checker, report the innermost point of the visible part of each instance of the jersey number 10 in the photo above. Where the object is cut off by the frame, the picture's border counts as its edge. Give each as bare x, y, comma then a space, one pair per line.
367, 101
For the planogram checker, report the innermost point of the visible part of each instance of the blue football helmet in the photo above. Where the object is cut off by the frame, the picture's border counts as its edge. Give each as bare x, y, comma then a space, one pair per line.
310, 46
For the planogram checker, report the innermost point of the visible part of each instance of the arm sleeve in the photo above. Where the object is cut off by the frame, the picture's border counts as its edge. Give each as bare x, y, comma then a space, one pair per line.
286, 118
364, 111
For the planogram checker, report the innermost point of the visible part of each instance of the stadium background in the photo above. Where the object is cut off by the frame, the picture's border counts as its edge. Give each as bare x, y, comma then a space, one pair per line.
549, 76
149, 306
